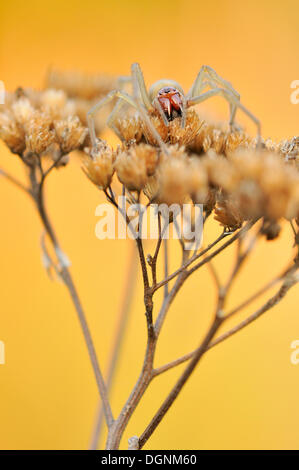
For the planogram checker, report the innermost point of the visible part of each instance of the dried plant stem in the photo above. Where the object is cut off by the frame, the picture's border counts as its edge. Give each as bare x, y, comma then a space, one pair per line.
119, 425
203, 252
207, 343
165, 267
288, 283
147, 373
118, 341
36, 192
13, 180
153, 261
238, 327
68, 281
180, 383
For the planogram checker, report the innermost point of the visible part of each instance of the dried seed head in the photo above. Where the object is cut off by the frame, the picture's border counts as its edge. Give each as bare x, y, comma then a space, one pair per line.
134, 129
53, 100
219, 140
40, 123
12, 133
186, 135
99, 167
220, 172
228, 214
79, 85
130, 129
259, 184
160, 128
70, 133
22, 110
173, 177
198, 182
135, 165
40, 134
270, 229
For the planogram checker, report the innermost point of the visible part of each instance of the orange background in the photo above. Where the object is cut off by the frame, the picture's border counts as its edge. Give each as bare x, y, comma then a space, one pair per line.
245, 392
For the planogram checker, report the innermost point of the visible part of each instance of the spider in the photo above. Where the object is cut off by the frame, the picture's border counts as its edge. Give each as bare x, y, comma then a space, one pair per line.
168, 99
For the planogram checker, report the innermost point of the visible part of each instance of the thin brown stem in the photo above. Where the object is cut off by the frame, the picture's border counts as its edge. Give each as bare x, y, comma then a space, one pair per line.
168, 299
153, 261
208, 344
38, 196
119, 338
180, 383
145, 377
14, 181
166, 262
288, 283
203, 252
148, 296
276, 298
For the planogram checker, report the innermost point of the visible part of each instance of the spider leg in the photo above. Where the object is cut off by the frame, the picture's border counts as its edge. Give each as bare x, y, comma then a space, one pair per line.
122, 80
232, 100
143, 103
113, 116
208, 73
139, 86
208, 77
183, 120
91, 113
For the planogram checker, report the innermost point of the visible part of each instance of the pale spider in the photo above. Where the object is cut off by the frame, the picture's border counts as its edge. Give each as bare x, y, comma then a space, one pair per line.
167, 98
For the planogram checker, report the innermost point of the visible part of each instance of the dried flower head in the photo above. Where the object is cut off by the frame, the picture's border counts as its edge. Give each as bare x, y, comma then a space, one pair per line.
40, 135
70, 134
228, 214
198, 183
173, 177
83, 91
41, 123
186, 135
12, 133
259, 184
99, 166
53, 100
270, 229
133, 129
135, 165
79, 85
130, 129
220, 140
160, 127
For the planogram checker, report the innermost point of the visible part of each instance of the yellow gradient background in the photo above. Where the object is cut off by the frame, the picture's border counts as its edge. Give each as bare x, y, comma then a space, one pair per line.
244, 394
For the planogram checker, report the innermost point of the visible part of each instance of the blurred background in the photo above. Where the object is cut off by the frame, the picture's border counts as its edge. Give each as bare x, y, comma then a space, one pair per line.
244, 394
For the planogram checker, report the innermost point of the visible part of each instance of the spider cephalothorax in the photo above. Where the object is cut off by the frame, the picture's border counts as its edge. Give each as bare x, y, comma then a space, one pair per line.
168, 99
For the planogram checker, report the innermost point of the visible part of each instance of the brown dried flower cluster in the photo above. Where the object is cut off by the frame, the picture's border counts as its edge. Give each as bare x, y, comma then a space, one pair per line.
99, 167
83, 91
135, 165
253, 184
199, 136
79, 85
224, 142
177, 179
41, 123
244, 185
201, 162
220, 140
133, 129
